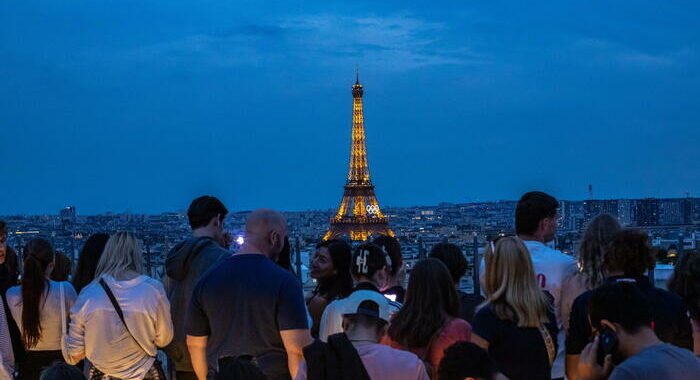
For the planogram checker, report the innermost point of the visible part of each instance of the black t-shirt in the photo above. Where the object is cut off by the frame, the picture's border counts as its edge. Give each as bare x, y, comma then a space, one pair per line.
671, 321
468, 304
241, 305
519, 352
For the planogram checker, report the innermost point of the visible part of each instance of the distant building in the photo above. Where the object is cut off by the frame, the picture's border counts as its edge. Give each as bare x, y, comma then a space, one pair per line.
593, 208
671, 212
67, 216
647, 212
626, 212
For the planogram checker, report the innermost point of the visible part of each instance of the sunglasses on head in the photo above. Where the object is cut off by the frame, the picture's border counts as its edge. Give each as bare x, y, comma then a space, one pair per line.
495, 240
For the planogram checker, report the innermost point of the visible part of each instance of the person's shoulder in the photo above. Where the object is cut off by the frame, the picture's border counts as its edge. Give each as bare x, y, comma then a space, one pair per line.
396, 354
15, 291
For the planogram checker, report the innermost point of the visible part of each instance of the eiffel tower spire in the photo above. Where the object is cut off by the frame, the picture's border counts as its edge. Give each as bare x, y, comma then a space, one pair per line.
359, 215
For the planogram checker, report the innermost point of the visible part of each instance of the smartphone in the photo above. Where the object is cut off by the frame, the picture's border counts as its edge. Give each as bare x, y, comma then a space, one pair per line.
607, 344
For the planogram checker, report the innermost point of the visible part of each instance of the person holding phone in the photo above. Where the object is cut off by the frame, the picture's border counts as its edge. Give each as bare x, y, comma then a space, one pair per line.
626, 347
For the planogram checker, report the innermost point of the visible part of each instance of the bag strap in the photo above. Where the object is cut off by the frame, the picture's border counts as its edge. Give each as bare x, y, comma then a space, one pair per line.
119, 311
549, 343
64, 326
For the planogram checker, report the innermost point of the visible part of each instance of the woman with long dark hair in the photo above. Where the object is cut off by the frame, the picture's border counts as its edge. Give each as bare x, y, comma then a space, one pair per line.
121, 318
88, 259
428, 322
40, 307
330, 267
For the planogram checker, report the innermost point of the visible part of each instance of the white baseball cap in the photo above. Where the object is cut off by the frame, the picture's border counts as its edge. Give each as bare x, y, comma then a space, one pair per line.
366, 304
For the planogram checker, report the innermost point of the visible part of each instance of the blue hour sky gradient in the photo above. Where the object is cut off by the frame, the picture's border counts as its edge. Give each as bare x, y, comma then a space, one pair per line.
143, 105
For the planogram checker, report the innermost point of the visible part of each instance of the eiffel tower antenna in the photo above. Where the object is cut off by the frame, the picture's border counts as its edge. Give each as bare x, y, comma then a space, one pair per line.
357, 74
359, 215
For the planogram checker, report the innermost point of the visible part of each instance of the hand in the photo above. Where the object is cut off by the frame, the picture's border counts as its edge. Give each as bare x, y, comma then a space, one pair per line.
588, 368
225, 240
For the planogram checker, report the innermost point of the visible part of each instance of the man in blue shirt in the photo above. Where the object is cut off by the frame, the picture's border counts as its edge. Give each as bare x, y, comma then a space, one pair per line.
248, 306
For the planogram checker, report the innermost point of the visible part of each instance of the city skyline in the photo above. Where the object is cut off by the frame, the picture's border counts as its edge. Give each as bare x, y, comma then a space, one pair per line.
128, 107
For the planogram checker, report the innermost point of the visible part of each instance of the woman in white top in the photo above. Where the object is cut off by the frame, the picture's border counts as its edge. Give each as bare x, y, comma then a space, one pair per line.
36, 307
96, 331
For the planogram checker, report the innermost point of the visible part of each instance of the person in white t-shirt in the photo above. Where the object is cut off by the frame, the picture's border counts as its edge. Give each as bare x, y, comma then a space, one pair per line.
536, 219
370, 271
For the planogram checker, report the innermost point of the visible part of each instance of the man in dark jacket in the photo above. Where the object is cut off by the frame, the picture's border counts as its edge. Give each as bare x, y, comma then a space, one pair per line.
185, 264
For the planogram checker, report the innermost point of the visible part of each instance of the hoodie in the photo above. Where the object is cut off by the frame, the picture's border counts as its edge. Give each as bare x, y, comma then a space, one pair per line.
184, 265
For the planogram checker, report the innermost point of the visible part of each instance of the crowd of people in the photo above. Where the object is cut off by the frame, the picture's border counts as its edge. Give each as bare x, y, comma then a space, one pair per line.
543, 315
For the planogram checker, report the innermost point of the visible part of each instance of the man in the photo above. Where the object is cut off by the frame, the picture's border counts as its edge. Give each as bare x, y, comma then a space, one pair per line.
370, 271
628, 257
185, 264
364, 322
640, 355
536, 220
467, 361
247, 305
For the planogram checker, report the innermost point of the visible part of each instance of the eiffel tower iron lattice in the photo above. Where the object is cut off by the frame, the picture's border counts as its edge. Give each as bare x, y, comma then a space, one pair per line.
359, 215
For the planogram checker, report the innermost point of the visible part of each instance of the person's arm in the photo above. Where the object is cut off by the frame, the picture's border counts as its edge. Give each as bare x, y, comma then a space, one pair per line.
479, 341
578, 335
294, 342
317, 305
163, 319
6, 353
74, 344
197, 346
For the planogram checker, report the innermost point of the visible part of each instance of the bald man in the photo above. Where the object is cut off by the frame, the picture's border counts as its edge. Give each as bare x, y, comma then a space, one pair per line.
250, 306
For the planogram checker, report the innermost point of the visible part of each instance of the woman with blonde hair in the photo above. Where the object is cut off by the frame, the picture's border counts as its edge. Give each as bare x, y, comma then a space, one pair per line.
515, 324
121, 318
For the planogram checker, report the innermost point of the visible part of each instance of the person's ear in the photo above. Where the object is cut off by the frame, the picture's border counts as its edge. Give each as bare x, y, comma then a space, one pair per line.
606, 323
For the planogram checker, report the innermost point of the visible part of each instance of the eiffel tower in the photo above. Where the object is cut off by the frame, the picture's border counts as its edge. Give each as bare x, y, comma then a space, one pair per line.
359, 215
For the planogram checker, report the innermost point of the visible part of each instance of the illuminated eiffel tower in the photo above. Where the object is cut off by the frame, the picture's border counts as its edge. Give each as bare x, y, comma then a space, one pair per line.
359, 215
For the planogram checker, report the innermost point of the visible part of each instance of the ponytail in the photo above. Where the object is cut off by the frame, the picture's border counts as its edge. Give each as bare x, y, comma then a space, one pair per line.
38, 256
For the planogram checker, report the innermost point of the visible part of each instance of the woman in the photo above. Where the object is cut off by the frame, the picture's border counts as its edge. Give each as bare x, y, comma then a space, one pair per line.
428, 322
330, 267
88, 259
515, 324
98, 332
36, 307
397, 275
600, 232
685, 282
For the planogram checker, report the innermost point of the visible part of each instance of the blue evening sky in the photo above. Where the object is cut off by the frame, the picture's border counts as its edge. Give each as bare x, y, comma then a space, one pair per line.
143, 105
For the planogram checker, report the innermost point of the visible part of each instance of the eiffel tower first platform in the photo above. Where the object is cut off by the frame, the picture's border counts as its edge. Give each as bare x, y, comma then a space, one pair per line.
359, 216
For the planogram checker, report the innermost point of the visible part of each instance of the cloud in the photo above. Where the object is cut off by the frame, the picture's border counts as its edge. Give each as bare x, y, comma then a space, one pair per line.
608, 52
394, 42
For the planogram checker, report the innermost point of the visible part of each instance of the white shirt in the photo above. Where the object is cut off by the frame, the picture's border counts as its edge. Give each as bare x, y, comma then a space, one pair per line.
97, 332
7, 356
49, 313
332, 318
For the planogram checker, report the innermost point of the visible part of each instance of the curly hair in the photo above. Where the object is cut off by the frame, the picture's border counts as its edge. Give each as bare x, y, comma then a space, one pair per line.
600, 231
629, 253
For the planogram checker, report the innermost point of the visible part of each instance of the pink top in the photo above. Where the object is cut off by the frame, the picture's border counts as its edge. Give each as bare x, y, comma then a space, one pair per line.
385, 363
457, 330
